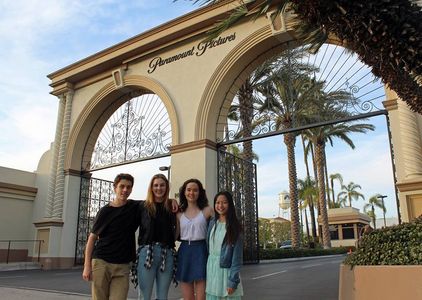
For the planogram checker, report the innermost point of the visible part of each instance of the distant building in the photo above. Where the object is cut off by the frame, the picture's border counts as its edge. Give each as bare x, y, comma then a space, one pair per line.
345, 224
388, 221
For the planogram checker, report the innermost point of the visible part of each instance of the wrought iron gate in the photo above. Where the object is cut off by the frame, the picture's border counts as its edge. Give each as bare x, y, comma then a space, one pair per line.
95, 193
238, 176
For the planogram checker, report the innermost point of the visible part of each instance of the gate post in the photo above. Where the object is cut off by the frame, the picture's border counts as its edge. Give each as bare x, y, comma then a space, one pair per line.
196, 159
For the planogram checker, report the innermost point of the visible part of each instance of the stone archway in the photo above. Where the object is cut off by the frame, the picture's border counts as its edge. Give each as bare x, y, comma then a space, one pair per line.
93, 117
194, 80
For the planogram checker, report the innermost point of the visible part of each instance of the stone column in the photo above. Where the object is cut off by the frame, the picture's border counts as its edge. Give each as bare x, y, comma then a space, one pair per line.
60, 176
411, 142
56, 146
196, 159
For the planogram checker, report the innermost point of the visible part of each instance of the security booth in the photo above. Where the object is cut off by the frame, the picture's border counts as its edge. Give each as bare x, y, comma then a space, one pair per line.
345, 225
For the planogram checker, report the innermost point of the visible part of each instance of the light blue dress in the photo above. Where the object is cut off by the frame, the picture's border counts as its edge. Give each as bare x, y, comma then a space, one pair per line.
216, 287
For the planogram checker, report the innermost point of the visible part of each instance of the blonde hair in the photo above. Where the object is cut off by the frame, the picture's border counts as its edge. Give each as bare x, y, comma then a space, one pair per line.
150, 203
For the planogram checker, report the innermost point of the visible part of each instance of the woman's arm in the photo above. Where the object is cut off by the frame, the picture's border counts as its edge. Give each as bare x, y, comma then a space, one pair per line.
234, 270
89, 248
174, 205
208, 212
177, 226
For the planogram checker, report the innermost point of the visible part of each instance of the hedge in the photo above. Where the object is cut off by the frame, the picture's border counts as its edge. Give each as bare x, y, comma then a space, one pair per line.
396, 245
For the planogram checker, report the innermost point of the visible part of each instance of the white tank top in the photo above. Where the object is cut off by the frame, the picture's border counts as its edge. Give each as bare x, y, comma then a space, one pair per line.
194, 229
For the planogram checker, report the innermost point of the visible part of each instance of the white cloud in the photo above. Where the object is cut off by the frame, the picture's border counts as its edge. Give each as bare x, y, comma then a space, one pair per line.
39, 37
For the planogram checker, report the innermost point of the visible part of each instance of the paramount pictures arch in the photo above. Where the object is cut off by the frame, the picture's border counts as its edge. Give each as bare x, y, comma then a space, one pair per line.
196, 83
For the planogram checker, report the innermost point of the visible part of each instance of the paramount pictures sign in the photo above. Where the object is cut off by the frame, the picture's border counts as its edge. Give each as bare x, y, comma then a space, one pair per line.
198, 50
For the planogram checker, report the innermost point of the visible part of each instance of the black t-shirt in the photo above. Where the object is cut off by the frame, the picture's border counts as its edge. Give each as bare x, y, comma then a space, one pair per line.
162, 227
115, 227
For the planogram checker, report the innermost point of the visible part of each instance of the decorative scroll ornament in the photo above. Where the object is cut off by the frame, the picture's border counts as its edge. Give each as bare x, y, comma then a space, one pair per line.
337, 68
138, 130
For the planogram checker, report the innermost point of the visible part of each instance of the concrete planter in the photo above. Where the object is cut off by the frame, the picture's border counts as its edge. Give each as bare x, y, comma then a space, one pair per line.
380, 282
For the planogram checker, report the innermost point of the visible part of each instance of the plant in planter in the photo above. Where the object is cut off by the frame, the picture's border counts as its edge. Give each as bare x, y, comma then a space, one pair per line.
387, 265
396, 245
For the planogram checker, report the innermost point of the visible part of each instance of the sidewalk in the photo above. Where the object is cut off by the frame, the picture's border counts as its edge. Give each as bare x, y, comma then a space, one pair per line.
15, 266
36, 294
35, 266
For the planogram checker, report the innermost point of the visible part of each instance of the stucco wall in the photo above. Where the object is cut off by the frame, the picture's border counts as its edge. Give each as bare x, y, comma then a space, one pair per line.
17, 195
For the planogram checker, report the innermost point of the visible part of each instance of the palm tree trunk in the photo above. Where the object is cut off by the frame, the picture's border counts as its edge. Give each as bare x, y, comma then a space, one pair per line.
330, 204
332, 192
246, 114
310, 203
316, 185
373, 217
289, 140
307, 226
319, 155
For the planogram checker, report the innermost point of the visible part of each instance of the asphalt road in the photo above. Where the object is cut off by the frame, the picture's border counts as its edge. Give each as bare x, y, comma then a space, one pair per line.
315, 279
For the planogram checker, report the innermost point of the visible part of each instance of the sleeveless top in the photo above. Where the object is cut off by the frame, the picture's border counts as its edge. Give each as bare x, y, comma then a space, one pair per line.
194, 229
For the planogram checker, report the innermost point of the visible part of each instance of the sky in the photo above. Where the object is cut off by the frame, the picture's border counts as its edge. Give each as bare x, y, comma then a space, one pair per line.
40, 37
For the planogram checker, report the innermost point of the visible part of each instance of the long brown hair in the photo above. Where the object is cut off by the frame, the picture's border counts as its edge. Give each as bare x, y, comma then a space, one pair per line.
149, 201
233, 226
202, 197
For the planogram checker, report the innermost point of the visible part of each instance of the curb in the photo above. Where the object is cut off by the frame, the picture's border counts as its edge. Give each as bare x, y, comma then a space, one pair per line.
284, 260
19, 266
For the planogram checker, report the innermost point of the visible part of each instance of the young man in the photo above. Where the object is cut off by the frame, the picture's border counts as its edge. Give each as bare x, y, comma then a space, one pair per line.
111, 244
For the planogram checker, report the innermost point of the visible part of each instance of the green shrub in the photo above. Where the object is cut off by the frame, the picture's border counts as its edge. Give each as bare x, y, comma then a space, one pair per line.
288, 253
396, 245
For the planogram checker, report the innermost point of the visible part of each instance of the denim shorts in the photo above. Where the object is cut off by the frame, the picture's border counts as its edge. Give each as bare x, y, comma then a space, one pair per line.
192, 261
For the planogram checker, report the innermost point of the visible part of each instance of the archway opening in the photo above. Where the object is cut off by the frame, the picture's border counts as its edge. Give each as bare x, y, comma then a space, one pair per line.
291, 109
135, 139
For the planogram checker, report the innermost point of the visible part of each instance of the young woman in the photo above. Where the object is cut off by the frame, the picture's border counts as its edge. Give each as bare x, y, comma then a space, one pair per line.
192, 254
111, 244
225, 251
157, 233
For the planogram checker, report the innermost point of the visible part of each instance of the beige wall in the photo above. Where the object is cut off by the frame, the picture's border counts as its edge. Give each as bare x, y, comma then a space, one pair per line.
17, 195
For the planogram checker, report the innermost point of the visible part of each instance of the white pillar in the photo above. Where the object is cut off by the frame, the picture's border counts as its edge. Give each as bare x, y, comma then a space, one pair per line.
194, 160
411, 142
60, 176
53, 170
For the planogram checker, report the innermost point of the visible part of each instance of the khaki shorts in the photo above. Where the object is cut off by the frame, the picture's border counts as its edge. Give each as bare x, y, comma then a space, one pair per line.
109, 281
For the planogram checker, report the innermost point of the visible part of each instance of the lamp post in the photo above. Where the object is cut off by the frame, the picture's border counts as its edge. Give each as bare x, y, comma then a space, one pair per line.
166, 168
383, 210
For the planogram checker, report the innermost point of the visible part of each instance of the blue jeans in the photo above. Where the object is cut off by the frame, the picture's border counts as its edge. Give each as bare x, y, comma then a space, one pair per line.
146, 276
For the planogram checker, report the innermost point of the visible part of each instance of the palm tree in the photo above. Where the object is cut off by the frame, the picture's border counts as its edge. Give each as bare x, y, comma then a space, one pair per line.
307, 193
284, 98
350, 191
319, 137
311, 203
244, 112
362, 27
341, 201
339, 178
286, 102
372, 202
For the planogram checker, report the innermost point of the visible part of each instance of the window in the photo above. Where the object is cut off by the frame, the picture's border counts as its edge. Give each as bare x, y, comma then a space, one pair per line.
334, 232
348, 231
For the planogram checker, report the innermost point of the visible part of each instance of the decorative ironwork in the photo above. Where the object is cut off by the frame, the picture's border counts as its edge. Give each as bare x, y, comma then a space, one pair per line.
95, 193
139, 129
335, 66
238, 176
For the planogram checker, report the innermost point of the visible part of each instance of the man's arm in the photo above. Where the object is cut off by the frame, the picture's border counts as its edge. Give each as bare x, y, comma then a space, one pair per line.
87, 272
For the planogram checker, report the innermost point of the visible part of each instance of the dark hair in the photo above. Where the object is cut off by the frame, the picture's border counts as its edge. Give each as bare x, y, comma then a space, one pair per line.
150, 203
123, 176
202, 198
233, 227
